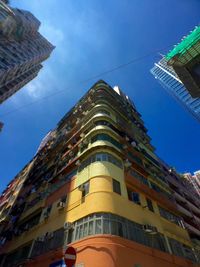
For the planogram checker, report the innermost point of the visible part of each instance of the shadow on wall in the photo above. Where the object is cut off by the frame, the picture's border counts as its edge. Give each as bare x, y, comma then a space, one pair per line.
100, 249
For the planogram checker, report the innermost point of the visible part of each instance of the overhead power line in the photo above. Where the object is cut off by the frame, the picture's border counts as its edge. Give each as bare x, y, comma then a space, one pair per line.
121, 66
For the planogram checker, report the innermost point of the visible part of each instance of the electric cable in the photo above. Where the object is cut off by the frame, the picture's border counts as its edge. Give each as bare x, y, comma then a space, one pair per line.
88, 79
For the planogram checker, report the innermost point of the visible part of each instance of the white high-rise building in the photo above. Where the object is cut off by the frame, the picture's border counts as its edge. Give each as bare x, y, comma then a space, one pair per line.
22, 49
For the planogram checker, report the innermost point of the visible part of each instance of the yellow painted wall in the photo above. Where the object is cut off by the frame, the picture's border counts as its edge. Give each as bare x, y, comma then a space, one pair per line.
101, 198
100, 168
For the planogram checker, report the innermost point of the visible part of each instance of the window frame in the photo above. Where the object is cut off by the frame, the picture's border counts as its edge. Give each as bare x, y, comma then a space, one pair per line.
116, 185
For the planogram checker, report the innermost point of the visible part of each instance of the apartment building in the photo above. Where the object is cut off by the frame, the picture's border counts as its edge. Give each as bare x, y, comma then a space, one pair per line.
188, 202
22, 49
96, 184
194, 181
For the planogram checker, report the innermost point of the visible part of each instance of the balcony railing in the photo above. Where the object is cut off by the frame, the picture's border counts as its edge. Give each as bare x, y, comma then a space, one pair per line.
179, 197
193, 208
48, 243
36, 204
184, 211
192, 229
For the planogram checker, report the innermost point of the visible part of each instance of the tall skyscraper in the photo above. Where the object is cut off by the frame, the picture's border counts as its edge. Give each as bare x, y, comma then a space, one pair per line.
97, 185
174, 86
22, 49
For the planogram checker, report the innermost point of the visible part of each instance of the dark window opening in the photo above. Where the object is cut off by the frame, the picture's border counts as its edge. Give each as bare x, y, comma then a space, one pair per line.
85, 189
134, 196
116, 187
150, 205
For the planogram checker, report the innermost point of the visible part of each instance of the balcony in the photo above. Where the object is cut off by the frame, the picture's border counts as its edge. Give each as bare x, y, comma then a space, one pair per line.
31, 209
193, 208
197, 220
159, 197
179, 197
192, 229
184, 211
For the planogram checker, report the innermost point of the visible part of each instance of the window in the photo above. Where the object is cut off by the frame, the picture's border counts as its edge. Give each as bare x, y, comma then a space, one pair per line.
170, 216
100, 157
17, 256
85, 189
150, 204
106, 223
139, 177
160, 190
28, 224
103, 111
48, 209
135, 158
134, 196
48, 244
106, 137
116, 187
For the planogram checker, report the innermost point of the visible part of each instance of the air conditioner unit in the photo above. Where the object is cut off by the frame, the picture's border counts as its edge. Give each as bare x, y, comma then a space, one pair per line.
60, 205
149, 229
81, 187
78, 163
127, 163
69, 146
82, 135
68, 225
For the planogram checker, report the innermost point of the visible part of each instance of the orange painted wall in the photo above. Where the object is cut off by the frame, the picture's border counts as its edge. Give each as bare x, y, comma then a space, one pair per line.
113, 251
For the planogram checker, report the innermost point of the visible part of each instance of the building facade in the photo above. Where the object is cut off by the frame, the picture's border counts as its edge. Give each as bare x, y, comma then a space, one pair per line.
185, 60
194, 180
174, 86
97, 185
188, 203
22, 49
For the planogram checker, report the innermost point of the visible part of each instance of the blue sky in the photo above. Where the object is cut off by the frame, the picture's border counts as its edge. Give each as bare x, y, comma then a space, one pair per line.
93, 36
